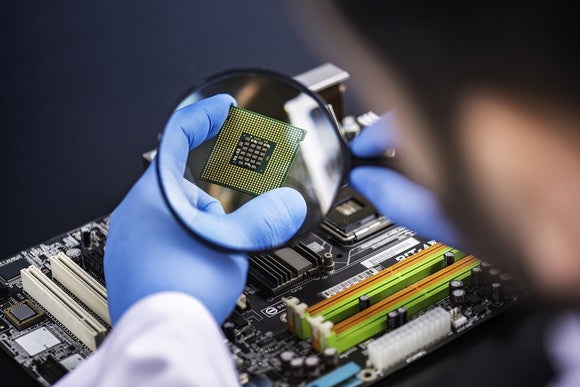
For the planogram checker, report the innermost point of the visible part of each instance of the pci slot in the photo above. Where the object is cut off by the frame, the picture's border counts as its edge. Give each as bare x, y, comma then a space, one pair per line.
81, 285
372, 320
384, 284
62, 307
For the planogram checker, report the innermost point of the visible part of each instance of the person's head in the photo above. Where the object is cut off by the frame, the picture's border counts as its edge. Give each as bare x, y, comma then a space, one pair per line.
487, 101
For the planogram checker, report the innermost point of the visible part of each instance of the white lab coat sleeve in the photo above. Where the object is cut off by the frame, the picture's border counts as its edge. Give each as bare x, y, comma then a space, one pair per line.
166, 339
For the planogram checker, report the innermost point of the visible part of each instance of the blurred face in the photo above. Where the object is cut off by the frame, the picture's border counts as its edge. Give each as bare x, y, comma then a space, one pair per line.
519, 161
526, 162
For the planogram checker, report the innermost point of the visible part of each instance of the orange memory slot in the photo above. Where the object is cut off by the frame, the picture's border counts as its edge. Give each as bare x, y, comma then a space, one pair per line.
373, 280
388, 302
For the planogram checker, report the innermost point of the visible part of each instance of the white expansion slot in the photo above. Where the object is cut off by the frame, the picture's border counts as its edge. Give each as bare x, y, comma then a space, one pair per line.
62, 307
410, 338
80, 284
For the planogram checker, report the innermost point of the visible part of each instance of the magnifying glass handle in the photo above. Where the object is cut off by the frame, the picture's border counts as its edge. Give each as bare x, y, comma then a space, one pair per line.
386, 160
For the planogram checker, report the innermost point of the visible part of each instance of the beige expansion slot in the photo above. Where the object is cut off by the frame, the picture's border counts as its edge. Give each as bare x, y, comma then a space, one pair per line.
81, 285
62, 307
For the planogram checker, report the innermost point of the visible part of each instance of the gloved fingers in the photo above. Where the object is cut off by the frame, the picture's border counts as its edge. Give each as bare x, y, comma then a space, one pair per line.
190, 126
271, 218
375, 139
404, 202
201, 199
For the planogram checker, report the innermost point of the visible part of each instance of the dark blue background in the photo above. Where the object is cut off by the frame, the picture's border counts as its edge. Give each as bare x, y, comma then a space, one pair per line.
86, 87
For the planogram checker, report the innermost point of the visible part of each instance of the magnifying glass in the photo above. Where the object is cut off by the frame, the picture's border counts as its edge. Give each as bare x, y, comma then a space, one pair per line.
279, 134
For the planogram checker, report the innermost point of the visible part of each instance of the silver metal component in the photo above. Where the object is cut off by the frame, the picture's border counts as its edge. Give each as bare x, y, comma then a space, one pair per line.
367, 375
368, 119
349, 128
37, 341
323, 77
358, 234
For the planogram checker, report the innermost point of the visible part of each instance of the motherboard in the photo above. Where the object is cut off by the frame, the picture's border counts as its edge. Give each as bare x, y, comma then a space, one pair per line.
325, 311
348, 304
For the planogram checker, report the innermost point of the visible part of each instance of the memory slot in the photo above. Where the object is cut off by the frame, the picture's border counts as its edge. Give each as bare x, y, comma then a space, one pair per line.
373, 320
387, 282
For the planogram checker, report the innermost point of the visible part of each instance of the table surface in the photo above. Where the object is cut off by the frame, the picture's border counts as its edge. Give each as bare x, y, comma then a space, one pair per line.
86, 88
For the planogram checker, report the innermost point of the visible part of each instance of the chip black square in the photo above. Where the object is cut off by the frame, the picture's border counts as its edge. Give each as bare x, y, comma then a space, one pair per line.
12, 270
252, 153
22, 312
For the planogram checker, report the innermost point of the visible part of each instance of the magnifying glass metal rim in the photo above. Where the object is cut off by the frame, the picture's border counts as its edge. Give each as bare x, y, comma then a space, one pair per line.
243, 72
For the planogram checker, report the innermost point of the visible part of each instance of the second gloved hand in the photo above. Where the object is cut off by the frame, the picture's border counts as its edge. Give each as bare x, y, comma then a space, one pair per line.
148, 252
394, 195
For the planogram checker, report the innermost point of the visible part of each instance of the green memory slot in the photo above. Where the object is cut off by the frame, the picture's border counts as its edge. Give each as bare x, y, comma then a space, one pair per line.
372, 321
335, 312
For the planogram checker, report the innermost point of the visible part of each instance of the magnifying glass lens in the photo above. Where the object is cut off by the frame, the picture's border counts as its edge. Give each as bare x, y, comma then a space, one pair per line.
277, 134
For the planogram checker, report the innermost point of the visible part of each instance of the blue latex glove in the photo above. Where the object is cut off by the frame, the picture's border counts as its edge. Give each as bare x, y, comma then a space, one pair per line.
148, 251
395, 196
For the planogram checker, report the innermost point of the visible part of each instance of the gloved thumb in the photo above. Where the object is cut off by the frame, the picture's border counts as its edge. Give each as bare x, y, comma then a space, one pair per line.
405, 203
377, 138
272, 218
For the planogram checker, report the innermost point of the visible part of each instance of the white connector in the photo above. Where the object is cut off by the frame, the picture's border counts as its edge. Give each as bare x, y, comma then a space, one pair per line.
295, 310
403, 342
81, 284
62, 307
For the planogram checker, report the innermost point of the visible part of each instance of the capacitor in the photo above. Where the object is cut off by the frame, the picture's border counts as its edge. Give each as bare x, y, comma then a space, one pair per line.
476, 274
392, 320
297, 371
510, 290
73, 253
285, 359
328, 262
330, 359
364, 302
86, 239
485, 268
229, 329
402, 312
457, 297
493, 275
496, 295
455, 284
312, 365
448, 258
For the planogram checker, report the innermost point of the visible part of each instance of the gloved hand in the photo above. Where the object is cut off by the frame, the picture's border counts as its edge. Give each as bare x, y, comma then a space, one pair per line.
147, 251
395, 196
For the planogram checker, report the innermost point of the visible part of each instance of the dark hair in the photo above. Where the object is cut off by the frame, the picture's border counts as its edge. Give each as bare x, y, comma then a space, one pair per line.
439, 50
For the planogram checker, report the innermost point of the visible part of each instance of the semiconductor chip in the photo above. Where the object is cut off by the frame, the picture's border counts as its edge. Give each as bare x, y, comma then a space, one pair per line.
23, 314
37, 341
252, 153
12, 270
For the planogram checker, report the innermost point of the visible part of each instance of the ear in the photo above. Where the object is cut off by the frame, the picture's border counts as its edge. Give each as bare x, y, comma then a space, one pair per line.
524, 158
